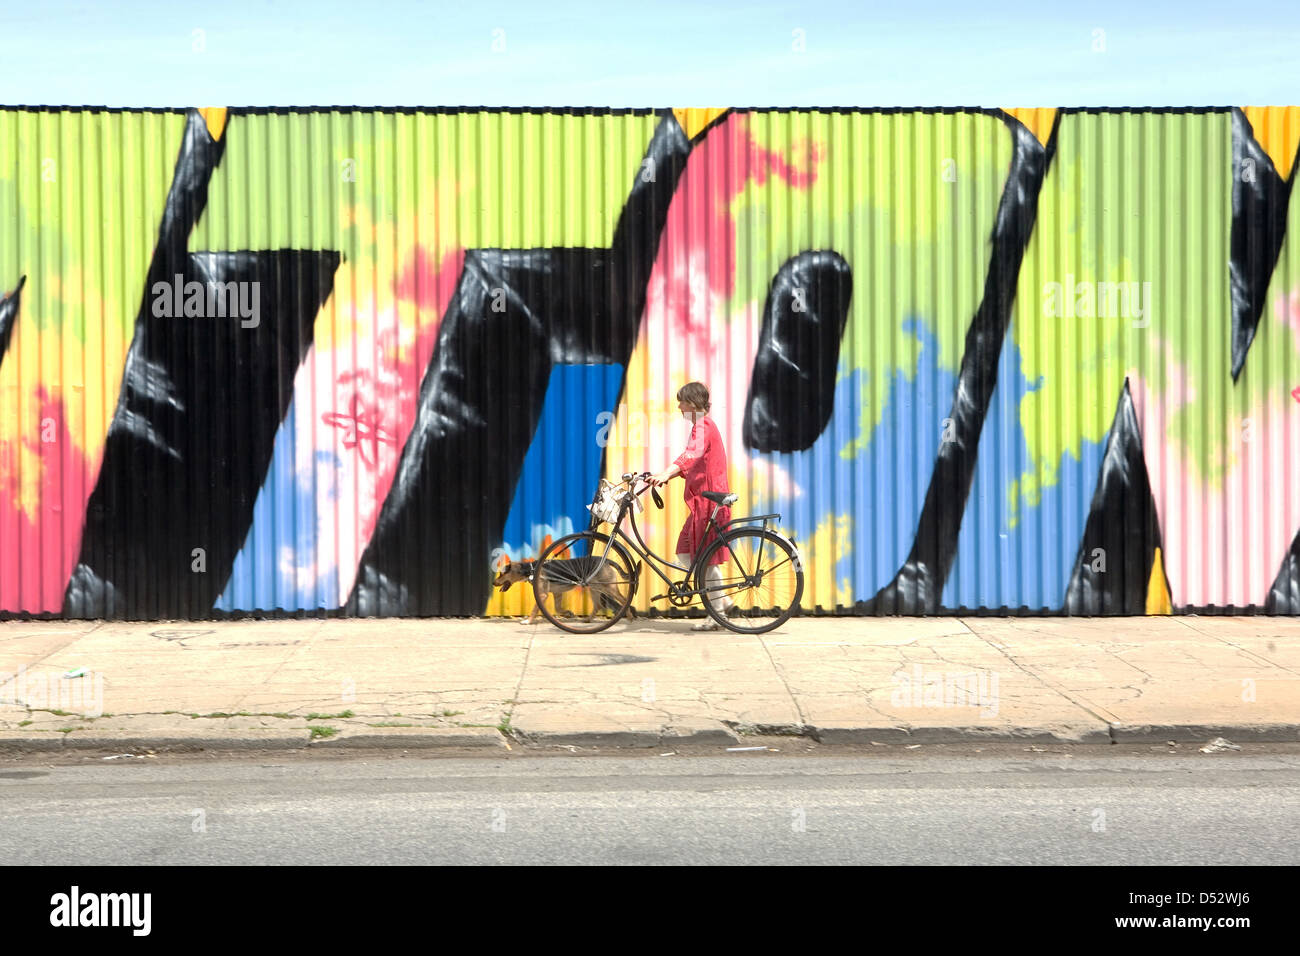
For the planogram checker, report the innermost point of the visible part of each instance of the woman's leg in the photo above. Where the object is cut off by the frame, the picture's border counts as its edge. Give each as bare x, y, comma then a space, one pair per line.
707, 624
713, 578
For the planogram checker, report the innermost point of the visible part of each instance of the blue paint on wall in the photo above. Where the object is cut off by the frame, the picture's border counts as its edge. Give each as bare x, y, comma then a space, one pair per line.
562, 467
883, 486
266, 575
1027, 564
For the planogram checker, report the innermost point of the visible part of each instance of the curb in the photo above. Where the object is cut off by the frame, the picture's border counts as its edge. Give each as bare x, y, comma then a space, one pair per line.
26, 741
1202, 733
959, 735
868, 736
430, 738
701, 734
173, 740
703, 737
22, 741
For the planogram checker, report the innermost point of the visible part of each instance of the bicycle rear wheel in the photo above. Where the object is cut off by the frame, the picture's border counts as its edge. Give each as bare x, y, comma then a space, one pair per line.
590, 579
761, 578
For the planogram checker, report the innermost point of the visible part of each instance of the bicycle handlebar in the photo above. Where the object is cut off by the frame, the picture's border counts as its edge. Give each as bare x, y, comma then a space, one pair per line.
632, 479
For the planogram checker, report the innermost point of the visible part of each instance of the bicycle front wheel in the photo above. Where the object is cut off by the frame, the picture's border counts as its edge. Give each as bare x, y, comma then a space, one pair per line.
590, 579
759, 583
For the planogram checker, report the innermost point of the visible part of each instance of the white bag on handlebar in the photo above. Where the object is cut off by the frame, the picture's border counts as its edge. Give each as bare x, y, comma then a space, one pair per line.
609, 501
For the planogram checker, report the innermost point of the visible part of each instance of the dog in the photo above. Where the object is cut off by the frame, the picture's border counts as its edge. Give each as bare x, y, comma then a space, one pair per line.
564, 575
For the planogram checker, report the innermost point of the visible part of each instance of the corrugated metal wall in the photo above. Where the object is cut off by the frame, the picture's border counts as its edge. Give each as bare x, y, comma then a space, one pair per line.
344, 360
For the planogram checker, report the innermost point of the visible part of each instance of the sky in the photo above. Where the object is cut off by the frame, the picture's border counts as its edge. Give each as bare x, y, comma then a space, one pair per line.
649, 54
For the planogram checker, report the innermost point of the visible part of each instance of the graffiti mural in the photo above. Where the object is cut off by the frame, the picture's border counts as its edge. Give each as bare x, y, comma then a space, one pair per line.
343, 361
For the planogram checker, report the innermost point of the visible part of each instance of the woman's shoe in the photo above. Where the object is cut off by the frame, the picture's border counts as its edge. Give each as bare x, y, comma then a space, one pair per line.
706, 626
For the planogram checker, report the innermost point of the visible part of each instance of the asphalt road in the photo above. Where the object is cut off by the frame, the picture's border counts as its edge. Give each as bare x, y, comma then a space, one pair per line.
1071, 806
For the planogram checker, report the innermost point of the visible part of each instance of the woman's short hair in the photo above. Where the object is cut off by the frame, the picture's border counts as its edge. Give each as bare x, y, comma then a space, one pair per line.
696, 393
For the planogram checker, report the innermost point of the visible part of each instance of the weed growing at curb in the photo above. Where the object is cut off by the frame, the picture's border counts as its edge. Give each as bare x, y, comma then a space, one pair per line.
23, 723
319, 732
388, 723
448, 713
342, 715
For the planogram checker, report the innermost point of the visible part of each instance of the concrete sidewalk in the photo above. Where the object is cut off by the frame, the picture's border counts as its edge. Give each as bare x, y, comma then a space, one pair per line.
649, 683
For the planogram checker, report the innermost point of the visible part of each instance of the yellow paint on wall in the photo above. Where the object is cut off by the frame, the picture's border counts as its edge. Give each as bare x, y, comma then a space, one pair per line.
693, 119
1158, 601
215, 118
832, 540
1277, 130
1037, 119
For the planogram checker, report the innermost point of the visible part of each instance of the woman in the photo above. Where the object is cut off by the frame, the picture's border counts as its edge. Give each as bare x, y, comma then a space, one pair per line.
704, 466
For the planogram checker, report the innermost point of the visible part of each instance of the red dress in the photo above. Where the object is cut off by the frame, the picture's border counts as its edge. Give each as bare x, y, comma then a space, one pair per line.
704, 466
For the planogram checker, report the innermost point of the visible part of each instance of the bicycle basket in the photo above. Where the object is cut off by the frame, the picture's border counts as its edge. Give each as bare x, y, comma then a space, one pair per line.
608, 502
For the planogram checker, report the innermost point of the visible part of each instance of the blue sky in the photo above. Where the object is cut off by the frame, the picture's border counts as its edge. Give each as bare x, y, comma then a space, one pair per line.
649, 54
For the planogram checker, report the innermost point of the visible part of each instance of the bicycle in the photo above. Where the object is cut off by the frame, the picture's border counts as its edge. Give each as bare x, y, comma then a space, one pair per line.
762, 573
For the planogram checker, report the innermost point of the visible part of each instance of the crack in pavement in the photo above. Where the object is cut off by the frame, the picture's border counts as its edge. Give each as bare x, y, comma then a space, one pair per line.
288, 657
1109, 722
523, 672
780, 675
1245, 650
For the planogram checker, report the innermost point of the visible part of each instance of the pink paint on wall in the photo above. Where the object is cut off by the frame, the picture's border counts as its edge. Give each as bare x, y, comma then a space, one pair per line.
728, 162
363, 392
50, 542
689, 326
1224, 538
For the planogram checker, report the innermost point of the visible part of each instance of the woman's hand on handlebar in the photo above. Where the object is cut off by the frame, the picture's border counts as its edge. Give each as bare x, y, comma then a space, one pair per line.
665, 476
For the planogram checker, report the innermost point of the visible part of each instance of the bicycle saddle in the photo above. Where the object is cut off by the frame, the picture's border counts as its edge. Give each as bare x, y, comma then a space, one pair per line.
723, 498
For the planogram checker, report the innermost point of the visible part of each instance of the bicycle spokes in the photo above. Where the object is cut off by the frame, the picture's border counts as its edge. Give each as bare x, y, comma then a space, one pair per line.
583, 584
758, 576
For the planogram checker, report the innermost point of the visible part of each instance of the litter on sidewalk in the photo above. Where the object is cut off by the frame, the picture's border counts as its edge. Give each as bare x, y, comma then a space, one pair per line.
1218, 745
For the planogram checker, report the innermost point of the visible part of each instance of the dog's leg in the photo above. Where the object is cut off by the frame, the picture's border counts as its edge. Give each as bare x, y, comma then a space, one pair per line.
536, 615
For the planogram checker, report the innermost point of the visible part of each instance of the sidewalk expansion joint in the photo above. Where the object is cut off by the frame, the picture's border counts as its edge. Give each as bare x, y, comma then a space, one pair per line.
776, 669
1047, 684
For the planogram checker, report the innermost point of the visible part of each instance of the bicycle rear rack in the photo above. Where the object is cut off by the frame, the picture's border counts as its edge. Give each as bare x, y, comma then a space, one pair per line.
751, 519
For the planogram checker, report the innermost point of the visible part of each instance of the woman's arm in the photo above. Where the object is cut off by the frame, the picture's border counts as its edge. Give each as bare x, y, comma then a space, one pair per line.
695, 449
665, 476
